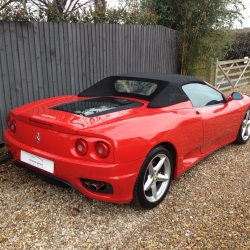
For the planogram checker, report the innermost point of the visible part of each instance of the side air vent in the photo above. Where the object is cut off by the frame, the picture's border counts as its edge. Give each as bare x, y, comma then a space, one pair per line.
92, 107
41, 123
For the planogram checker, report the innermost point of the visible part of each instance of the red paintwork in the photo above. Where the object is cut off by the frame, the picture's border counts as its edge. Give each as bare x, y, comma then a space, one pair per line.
130, 134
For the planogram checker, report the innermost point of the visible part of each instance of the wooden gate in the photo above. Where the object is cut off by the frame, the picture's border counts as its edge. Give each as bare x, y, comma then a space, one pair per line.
232, 73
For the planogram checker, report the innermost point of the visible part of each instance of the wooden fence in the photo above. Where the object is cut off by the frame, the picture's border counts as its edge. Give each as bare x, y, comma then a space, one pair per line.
40, 60
232, 73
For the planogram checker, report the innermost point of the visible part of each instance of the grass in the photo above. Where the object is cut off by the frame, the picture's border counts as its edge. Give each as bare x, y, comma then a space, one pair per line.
3, 150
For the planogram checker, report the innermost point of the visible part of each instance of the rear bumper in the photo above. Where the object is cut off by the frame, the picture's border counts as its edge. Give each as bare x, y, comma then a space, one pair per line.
121, 177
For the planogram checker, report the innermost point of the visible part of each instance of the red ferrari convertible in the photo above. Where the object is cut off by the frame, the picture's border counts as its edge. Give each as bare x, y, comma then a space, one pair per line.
125, 138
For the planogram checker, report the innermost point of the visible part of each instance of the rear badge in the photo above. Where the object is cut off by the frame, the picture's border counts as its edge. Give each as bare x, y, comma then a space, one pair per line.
49, 116
37, 137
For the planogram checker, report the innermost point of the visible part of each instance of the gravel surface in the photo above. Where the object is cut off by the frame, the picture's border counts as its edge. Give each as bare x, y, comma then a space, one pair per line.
206, 208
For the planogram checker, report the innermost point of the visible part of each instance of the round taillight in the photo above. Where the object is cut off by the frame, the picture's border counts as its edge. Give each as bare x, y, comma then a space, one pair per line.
13, 126
102, 149
8, 121
81, 147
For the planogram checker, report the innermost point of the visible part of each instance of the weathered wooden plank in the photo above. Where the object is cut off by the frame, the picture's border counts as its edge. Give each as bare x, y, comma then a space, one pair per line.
74, 60
52, 58
10, 64
124, 49
79, 67
111, 50
233, 61
97, 43
58, 59
135, 49
47, 27
163, 51
149, 59
67, 58
43, 56
102, 50
27, 61
143, 49
118, 53
32, 55
86, 56
3, 106
106, 52
62, 48
234, 67
21, 81
5, 95
38, 59
83, 58
90, 54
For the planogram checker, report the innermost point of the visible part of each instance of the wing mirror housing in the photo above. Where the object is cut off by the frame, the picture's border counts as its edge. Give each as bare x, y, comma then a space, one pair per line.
235, 96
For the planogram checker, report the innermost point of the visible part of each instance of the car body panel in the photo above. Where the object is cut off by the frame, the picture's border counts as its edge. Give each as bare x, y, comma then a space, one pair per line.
220, 124
191, 133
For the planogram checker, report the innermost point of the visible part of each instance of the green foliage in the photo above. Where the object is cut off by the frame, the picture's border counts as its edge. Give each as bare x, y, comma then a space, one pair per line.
100, 15
113, 16
17, 12
203, 29
241, 45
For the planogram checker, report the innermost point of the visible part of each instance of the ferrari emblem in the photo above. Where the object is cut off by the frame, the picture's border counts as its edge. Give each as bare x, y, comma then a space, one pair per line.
37, 137
155, 177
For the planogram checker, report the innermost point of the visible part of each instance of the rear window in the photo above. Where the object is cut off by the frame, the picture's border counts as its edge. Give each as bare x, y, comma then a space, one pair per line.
135, 87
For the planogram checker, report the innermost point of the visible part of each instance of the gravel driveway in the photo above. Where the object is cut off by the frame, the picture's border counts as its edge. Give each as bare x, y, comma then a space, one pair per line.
207, 208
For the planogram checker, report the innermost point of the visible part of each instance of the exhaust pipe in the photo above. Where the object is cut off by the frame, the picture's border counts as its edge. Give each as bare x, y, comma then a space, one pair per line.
5, 158
95, 186
87, 184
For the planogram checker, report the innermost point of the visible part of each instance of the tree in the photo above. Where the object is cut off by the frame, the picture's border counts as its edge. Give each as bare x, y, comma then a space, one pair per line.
241, 45
100, 4
15, 10
58, 10
4, 4
204, 27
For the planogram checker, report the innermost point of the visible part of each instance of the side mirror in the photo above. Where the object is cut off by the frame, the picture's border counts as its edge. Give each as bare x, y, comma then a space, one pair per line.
235, 96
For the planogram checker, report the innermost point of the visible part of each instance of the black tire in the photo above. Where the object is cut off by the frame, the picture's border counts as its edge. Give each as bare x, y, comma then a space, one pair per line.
244, 131
153, 182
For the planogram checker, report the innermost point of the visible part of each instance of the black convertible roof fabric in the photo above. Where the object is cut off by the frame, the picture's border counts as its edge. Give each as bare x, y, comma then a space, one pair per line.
168, 92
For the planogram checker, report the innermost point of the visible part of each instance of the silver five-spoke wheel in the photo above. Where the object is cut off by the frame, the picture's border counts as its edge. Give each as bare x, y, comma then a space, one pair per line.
154, 178
246, 126
157, 177
244, 131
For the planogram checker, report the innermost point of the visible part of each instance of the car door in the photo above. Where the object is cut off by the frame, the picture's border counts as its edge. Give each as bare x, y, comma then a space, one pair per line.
220, 118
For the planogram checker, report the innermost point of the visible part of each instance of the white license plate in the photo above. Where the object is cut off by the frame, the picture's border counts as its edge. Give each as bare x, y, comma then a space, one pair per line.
37, 161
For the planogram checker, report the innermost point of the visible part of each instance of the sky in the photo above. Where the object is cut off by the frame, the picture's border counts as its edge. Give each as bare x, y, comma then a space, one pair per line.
245, 13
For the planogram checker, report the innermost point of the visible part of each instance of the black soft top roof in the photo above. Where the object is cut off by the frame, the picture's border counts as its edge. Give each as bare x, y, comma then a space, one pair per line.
168, 92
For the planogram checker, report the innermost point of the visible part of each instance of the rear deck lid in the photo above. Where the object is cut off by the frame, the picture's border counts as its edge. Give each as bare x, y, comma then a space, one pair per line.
69, 115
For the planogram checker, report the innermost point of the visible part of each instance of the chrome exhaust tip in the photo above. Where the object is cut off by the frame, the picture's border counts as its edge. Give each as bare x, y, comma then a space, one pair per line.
87, 184
95, 186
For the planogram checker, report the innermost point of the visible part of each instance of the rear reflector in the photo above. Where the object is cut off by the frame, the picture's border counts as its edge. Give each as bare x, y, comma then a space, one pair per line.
102, 149
81, 147
13, 126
